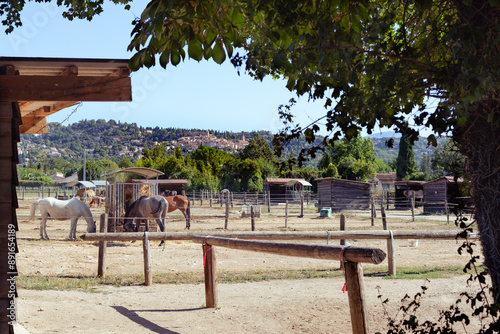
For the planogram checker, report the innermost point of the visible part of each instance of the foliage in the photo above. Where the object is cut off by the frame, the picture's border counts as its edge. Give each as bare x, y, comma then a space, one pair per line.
258, 148
405, 162
353, 159
35, 176
448, 159
460, 314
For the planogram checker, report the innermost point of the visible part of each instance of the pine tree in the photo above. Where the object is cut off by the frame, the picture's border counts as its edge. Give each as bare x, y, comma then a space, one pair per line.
405, 162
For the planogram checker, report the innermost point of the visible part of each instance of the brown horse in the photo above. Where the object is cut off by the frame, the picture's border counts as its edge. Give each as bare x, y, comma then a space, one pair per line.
181, 203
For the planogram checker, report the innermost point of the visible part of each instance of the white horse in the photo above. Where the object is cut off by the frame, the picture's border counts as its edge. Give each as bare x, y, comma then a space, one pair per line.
63, 210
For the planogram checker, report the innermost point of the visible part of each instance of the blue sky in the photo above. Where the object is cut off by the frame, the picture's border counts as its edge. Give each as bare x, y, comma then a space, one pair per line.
192, 95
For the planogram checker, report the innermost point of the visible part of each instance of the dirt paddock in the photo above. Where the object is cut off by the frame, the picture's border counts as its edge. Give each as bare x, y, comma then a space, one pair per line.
276, 306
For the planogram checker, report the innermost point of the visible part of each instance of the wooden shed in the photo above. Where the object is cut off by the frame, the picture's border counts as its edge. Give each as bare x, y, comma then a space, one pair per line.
443, 192
285, 189
404, 191
30, 90
341, 195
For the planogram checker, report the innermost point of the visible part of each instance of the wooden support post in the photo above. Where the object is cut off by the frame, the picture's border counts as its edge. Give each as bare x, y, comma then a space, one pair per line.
342, 228
245, 198
201, 197
447, 212
252, 217
373, 212
286, 214
210, 270
413, 207
101, 262
269, 202
148, 275
391, 256
357, 303
231, 195
227, 212
301, 205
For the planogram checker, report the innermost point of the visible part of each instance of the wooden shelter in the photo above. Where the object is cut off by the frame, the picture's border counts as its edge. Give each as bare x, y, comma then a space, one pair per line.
341, 195
120, 195
439, 194
30, 90
403, 193
285, 189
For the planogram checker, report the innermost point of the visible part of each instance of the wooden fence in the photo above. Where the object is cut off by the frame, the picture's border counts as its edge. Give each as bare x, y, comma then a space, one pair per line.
350, 258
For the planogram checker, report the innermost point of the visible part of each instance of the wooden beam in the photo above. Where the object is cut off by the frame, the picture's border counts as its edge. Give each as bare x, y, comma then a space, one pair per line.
33, 125
64, 88
352, 254
121, 72
285, 235
70, 70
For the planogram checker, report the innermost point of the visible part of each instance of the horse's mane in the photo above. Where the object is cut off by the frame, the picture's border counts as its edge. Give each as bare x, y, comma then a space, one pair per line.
127, 212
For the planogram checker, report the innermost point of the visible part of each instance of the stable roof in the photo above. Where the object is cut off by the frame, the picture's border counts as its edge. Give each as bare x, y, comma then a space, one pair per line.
43, 86
148, 173
302, 182
86, 184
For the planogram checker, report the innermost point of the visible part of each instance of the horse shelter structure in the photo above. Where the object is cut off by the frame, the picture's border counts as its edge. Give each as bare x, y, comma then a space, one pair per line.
119, 195
444, 192
285, 189
340, 195
30, 90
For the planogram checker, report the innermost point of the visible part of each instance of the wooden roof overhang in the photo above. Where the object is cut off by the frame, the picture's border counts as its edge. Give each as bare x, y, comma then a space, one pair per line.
43, 86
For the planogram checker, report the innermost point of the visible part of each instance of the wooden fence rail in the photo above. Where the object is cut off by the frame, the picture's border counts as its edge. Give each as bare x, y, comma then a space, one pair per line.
284, 235
349, 256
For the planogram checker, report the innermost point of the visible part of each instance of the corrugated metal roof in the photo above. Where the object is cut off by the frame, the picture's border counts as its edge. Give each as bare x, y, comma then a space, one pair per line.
86, 184
148, 173
302, 182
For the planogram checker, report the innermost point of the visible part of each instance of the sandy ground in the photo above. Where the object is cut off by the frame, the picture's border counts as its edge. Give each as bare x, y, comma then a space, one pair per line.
281, 306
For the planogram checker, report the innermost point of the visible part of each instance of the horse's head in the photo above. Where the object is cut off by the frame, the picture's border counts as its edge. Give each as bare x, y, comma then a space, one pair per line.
128, 225
91, 228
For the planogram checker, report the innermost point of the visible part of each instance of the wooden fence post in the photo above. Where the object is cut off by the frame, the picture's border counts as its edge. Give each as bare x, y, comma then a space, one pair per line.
252, 217
373, 212
245, 198
101, 262
355, 292
148, 276
269, 202
413, 207
210, 271
391, 256
301, 205
226, 196
286, 214
342, 228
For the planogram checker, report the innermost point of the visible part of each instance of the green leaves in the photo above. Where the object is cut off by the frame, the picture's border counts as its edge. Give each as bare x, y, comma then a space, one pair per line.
218, 53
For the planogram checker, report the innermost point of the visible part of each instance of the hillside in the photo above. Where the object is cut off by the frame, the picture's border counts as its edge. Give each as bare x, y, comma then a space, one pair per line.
115, 140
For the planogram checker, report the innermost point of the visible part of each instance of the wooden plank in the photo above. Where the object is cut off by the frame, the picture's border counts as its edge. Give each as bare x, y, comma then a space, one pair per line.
354, 254
64, 88
284, 235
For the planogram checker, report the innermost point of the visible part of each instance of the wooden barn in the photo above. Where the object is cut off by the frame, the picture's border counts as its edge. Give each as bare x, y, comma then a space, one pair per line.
30, 90
285, 189
341, 195
404, 191
443, 192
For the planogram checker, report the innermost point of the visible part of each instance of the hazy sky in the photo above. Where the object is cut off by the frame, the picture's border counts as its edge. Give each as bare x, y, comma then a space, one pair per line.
192, 95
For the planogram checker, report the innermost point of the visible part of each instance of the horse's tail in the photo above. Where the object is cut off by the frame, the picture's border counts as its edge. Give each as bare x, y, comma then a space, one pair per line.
33, 209
188, 214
